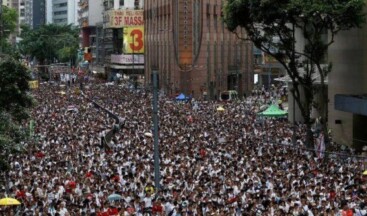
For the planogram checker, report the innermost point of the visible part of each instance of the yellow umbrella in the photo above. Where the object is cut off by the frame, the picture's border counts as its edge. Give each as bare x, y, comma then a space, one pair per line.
8, 201
62, 92
365, 172
220, 108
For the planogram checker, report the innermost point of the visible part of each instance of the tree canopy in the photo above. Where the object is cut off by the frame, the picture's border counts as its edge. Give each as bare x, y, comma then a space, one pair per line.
15, 102
50, 41
272, 26
9, 21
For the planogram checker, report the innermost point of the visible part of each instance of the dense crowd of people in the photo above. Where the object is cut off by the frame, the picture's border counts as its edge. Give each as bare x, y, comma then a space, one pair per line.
211, 163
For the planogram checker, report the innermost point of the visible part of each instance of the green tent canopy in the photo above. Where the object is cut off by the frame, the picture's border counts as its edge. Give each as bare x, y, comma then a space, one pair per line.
273, 111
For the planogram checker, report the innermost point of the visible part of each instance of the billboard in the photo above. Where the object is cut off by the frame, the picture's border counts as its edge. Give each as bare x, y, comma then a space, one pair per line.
133, 40
127, 59
123, 18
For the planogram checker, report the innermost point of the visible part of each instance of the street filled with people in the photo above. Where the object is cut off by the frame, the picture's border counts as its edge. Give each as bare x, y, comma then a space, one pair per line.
212, 162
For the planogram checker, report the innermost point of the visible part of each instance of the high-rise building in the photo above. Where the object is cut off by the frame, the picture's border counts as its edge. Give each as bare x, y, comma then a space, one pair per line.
62, 12
194, 53
6, 3
21, 12
89, 15
34, 13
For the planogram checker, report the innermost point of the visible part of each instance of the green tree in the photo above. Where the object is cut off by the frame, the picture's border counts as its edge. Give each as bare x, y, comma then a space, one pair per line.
8, 26
15, 102
48, 42
272, 26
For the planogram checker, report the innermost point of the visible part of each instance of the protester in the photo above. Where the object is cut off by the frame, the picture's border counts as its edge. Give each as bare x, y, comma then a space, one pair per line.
212, 163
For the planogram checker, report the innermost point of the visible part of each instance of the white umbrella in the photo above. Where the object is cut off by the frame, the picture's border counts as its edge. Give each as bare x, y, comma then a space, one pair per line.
148, 134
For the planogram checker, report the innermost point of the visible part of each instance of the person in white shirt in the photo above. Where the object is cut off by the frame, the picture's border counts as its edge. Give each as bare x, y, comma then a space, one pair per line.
360, 211
62, 210
169, 209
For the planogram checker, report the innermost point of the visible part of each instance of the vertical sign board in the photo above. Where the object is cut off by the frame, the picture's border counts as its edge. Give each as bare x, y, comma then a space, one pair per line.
133, 40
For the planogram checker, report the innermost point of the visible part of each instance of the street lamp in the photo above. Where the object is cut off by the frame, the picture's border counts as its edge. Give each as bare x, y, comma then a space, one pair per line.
155, 130
155, 119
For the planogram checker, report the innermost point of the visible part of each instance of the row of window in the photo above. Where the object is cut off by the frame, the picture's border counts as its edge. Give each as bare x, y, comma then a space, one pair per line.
60, 12
60, 20
61, 5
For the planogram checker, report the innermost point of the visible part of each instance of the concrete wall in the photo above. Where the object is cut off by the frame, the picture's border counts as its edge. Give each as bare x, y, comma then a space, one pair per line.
49, 11
349, 57
72, 12
95, 12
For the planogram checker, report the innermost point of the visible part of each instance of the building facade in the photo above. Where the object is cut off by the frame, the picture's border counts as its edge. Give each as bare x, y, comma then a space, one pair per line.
123, 27
6, 3
89, 16
62, 12
21, 12
348, 88
34, 13
194, 53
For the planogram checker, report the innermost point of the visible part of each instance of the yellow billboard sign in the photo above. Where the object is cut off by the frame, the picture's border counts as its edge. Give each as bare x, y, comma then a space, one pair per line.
133, 40
33, 84
123, 18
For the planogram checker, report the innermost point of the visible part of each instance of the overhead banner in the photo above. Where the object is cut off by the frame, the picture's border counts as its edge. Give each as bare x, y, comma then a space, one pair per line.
123, 18
133, 40
33, 84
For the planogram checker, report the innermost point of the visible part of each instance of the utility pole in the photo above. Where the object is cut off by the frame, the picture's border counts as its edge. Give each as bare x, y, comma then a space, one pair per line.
155, 130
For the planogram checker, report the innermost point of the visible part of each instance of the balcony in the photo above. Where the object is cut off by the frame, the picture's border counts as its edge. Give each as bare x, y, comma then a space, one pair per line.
83, 4
83, 22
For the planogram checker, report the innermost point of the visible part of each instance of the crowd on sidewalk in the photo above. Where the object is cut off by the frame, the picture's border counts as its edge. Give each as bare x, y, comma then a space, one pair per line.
211, 163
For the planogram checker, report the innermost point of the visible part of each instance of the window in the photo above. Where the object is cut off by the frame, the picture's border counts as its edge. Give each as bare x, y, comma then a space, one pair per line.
61, 5
215, 22
208, 22
60, 12
122, 2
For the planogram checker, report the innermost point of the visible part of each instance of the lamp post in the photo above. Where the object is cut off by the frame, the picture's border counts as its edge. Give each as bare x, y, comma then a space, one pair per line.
154, 77
155, 130
155, 118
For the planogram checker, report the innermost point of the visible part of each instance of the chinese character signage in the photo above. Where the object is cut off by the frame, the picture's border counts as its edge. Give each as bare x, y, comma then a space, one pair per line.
127, 59
123, 18
133, 40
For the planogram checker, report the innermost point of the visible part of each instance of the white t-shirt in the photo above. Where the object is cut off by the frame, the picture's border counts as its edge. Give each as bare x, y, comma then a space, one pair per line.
361, 212
147, 202
63, 211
